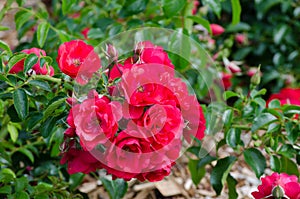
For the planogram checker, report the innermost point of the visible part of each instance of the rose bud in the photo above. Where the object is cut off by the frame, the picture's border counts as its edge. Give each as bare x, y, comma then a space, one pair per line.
216, 29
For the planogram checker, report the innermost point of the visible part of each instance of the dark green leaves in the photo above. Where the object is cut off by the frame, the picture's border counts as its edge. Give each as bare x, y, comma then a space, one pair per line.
171, 8
30, 61
5, 47
215, 5
231, 182
255, 160
196, 171
42, 32
233, 137
132, 7
115, 188
40, 84
22, 17
21, 103
220, 172
262, 120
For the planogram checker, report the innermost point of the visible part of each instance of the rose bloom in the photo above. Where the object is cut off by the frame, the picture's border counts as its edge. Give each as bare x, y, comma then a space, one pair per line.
19, 66
79, 160
78, 60
216, 29
287, 96
289, 184
95, 120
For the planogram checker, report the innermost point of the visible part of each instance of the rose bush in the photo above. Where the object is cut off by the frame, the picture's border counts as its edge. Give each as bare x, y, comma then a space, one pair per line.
128, 110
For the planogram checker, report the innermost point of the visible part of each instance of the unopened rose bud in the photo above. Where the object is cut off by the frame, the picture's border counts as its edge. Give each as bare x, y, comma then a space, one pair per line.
112, 53
240, 38
255, 79
216, 29
251, 71
234, 68
278, 192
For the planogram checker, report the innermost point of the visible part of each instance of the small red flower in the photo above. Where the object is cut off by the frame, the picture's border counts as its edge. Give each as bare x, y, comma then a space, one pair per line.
19, 66
216, 29
78, 60
288, 183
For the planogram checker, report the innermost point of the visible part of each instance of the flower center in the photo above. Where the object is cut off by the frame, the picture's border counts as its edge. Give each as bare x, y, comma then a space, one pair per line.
76, 62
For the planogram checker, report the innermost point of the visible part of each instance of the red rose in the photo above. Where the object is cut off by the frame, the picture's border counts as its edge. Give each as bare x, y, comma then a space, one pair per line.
287, 96
287, 183
216, 29
125, 157
96, 121
19, 66
78, 60
79, 160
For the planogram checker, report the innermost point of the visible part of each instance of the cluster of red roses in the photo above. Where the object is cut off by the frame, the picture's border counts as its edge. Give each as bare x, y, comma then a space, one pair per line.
139, 135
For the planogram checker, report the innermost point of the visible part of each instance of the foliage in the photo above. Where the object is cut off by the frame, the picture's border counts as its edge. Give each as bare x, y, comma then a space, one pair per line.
33, 107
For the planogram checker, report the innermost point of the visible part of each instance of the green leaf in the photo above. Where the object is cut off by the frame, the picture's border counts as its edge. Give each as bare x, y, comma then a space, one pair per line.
33, 120
115, 188
215, 5
275, 163
197, 173
233, 137
229, 94
236, 11
42, 32
23, 195
66, 5
255, 160
63, 36
288, 166
27, 153
21, 103
13, 131
41, 84
48, 126
292, 132
201, 21
5, 47
220, 172
275, 103
52, 107
171, 7
30, 61
14, 59
75, 180
132, 7
231, 182
227, 118
262, 120
22, 17
21, 184
5, 189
